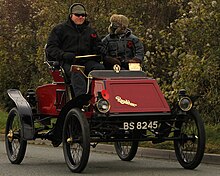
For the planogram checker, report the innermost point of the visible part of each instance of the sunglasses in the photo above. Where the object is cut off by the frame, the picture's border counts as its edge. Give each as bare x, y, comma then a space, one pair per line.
78, 15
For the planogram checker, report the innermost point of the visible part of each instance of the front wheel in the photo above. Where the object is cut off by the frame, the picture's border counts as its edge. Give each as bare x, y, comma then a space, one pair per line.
14, 142
76, 140
126, 150
190, 148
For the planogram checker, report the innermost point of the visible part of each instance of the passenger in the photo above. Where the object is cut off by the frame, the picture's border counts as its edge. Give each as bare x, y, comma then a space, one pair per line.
75, 38
120, 46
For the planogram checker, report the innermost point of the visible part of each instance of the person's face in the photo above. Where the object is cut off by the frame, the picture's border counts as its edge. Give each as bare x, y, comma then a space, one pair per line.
78, 19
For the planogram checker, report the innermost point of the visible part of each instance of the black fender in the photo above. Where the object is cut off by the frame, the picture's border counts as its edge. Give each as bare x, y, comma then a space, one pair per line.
25, 113
77, 102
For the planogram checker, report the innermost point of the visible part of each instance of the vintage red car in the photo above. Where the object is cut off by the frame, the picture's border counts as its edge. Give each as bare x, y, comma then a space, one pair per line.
121, 106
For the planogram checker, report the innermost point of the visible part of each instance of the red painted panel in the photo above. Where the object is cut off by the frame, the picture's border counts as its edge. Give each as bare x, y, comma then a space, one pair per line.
57, 77
46, 97
136, 95
97, 86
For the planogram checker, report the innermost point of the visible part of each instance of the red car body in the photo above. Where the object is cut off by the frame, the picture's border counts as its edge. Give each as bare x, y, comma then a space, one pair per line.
126, 94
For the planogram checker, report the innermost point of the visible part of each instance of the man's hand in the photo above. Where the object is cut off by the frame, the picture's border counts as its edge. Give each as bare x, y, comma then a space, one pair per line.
111, 61
134, 60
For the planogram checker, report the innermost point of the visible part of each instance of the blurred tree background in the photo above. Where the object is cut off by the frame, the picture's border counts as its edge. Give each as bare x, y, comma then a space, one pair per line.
181, 39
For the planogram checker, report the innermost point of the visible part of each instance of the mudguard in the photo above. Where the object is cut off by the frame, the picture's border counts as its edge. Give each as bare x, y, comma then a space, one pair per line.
77, 102
25, 113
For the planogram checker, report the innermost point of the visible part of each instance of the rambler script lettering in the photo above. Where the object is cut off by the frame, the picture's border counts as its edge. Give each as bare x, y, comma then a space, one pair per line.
127, 102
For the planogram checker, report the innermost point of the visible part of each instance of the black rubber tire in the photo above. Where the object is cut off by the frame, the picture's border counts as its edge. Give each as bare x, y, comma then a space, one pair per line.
126, 150
76, 150
189, 152
15, 144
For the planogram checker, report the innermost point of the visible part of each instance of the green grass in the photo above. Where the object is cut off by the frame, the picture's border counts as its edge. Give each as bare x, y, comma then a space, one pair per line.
3, 118
212, 137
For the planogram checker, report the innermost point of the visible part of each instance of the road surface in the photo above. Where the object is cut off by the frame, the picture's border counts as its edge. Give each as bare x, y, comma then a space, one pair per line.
44, 160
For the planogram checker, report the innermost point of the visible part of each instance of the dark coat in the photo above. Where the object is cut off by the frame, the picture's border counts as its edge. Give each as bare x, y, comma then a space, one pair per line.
126, 46
121, 49
68, 40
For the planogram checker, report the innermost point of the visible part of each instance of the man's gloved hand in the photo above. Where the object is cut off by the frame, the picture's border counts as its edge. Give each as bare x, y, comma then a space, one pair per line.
56, 65
112, 60
109, 62
69, 57
134, 60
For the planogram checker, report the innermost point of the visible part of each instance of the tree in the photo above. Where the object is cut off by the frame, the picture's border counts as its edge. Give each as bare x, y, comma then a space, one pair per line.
181, 39
186, 54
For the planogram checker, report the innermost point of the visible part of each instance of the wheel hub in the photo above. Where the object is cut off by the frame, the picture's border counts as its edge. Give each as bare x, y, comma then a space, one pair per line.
10, 135
69, 140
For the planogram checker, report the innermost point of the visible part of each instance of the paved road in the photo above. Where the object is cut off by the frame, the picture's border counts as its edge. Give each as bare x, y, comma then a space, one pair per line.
45, 160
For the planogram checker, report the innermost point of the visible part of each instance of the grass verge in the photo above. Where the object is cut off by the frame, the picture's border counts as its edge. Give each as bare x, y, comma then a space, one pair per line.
3, 118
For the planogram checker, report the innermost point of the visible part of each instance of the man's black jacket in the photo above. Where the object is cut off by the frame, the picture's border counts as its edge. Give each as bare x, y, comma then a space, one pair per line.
68, 40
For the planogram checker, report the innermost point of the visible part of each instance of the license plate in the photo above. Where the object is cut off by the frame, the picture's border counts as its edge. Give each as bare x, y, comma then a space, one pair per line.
140, 125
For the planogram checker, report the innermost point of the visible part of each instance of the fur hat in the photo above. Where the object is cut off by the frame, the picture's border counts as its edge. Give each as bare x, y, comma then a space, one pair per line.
119, 23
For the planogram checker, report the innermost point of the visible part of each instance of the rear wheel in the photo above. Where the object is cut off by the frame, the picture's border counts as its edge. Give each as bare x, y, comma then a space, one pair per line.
190, 149
76, 140
126, 150
14, 142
